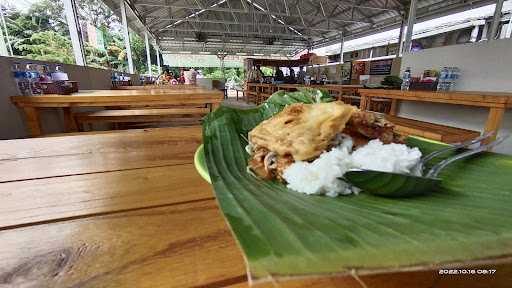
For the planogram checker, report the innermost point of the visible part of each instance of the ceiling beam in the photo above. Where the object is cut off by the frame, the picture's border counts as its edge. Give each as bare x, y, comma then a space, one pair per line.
212, 21
244, 11
221, 32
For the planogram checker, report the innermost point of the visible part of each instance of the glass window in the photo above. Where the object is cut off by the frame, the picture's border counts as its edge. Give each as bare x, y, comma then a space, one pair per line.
37, 29
138, 52
102, 36
138, 45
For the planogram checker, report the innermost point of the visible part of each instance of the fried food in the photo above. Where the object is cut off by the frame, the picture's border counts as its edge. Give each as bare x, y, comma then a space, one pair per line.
364, 126
302, 131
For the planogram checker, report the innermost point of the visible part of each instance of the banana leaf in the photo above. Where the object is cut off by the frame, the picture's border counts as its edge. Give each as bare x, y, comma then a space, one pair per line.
284, 233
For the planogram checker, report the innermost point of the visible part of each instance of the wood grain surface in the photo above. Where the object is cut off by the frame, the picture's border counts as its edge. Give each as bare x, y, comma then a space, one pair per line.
140, 115
154, 86
56, 198
185, 245
59, 156
98, 98
141, 217
470, 98
137, 224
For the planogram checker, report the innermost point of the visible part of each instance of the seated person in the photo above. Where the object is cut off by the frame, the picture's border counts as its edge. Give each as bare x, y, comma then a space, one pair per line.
278, 76
165, 77
301, 75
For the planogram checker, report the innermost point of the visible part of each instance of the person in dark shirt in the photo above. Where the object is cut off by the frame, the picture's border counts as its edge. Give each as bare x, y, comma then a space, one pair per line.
278, 76
292, 72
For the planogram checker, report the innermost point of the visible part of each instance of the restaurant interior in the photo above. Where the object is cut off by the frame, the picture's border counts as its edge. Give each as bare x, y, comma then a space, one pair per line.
255, 143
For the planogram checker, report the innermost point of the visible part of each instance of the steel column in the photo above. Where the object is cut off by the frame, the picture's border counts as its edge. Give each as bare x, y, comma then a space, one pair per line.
342, 41
126, 36
148, 54
158, 59
74, 31
3, 48
6, 32
400, 38
496, 20
410, 26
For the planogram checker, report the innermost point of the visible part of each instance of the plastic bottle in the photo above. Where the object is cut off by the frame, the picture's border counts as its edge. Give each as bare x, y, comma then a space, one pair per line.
406, 79
21, 78
454, 76
44, 73
441, 85
33, 78
307, 80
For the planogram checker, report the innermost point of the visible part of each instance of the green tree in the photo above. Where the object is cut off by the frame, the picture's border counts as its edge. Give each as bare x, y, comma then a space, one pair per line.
48, 46
267, 71
97, 13
41, 33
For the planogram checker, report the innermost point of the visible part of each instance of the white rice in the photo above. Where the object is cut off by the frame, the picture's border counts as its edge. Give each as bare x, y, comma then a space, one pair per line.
321, 176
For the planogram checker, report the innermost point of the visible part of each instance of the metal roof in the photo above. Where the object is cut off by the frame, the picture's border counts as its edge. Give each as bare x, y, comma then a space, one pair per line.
273, 26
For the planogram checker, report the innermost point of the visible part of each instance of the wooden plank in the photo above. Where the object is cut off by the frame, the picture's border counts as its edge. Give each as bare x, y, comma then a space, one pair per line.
484, 99
122, 97
143, 112
43, 200
140, 115
157, 87
70, 155
432, 131
186, 245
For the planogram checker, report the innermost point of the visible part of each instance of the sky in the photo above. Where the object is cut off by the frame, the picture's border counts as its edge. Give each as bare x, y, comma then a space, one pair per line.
20, 4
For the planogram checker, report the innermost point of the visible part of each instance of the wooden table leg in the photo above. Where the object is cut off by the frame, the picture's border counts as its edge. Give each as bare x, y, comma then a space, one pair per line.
32, 121
494, 120
394, 107
364, 103
69, 121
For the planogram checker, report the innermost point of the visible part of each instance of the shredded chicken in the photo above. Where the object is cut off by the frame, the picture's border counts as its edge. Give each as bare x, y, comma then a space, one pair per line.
364, 126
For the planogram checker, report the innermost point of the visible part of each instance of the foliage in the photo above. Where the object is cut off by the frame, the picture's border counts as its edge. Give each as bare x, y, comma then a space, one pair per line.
98, 14
233, 76
41, 33
267, 71
392, 81
48, 46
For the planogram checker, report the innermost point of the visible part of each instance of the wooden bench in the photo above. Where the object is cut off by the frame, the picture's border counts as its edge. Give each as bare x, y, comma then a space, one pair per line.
141, 115
442, 133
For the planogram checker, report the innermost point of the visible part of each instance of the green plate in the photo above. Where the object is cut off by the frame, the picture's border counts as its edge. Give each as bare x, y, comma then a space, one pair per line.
285, 234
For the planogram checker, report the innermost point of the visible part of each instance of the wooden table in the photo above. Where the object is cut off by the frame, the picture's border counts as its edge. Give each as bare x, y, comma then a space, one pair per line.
154, 86
101, 98
118, 209
127, 209
496, 102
